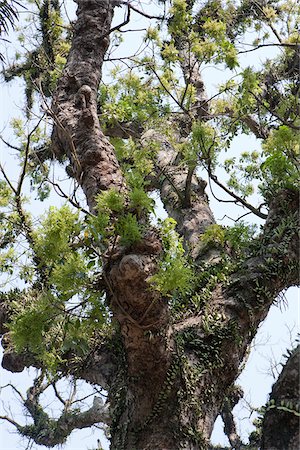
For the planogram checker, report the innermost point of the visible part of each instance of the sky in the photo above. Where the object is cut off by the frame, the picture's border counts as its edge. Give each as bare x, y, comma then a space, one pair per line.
275, 335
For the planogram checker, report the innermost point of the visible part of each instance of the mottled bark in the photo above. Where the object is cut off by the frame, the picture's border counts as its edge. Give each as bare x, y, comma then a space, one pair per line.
143, 317
77, 133
182, 193
188, 403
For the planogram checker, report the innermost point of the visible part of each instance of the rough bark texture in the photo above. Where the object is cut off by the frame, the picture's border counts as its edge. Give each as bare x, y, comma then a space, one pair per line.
182, 193
281, 421
77, 133
167, 378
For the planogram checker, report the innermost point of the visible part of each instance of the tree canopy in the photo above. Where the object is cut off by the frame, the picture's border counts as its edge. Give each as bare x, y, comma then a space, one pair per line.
157, 314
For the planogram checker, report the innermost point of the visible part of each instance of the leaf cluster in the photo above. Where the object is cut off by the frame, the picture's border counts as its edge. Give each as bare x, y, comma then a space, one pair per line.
276, 167
131, 97
175, 274
42, 66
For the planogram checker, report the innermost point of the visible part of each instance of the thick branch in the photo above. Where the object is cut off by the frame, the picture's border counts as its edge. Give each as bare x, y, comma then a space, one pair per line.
230, 429
192, 214
76, 131
50, 432
240, 305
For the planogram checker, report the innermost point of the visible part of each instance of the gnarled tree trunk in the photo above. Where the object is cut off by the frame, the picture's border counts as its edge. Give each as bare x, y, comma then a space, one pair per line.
167, 377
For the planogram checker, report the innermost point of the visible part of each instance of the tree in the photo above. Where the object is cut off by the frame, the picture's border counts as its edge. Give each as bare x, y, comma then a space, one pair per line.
160, 315
8, 17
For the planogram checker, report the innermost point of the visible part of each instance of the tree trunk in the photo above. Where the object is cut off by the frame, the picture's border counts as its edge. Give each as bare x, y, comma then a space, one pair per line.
280, 428
168, 375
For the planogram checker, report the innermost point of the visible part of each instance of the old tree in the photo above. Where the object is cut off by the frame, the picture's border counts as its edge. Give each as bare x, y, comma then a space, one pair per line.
156, 315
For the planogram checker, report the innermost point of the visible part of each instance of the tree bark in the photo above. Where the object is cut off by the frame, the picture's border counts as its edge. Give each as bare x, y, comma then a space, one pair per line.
169, 376
280, 427
77, 134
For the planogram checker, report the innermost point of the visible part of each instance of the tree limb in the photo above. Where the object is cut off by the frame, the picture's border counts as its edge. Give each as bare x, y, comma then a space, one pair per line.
74, 108
280, 426
236, 197
175, 182
51, 432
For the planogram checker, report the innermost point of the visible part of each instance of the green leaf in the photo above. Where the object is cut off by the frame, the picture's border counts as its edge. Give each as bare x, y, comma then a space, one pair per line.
129, 229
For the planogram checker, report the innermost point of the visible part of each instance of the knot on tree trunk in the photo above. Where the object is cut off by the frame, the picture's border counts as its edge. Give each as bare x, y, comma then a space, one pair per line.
130, 267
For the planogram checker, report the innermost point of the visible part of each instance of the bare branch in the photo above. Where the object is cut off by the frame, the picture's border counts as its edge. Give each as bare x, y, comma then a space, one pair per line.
49, 432
23, 172
247, 205
282, 44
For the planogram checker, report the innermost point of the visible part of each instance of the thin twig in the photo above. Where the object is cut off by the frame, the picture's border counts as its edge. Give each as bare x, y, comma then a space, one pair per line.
282, 44
236, 197
23, 172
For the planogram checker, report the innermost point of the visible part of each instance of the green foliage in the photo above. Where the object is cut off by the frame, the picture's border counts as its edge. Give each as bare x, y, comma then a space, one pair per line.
203, 146
43, 324
240, 237
70, 277
99, 227
110, 201
8, 18
281, 168
215, 234
69, 313
8, 259
181, 18
58, 230
175, 274
250, 85
276, 167
131, 98
140, 201
129, 229
5, 194
243, 172
112, 219
33, 148
32, 321
136, 160
235, 239
42, 66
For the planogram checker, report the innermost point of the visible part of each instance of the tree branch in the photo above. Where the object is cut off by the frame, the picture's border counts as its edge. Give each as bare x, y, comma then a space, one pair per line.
236, 197
175, 183
51, 432
228, 418
76, 131
280, 427
282, 44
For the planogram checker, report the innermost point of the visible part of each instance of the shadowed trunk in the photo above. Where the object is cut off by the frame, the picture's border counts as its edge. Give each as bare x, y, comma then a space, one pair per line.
280, 428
